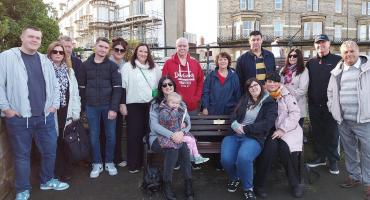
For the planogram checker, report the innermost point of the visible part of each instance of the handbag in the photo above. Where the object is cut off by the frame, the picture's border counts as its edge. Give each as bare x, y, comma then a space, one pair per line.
77, 142
154, 91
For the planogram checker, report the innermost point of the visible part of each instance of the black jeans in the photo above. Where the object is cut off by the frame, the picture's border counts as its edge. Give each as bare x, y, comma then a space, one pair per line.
170, 158
325, 132
264, 161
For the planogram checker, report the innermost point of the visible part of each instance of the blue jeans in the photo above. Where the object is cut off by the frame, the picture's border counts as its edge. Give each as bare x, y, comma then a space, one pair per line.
237, 156
93, 114
21, 131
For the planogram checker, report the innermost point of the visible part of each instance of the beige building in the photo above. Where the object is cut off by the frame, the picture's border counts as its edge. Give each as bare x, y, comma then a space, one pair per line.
295, 22
143, 20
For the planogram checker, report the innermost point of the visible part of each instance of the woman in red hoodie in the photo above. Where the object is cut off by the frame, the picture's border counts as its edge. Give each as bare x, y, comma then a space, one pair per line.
187, 74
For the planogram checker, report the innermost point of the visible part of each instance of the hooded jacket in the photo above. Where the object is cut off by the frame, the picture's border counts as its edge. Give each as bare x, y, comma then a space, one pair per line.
221, 99
363, 88
264, 121
188, 79
13, 83
287, 120
100, 83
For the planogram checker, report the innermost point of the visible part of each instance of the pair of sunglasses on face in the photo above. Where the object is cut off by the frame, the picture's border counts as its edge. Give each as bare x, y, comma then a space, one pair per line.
164, 85
118, 50
294, 56
57, 52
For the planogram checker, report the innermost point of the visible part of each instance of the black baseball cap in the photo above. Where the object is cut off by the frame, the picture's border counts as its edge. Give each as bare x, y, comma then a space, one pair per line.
321, 37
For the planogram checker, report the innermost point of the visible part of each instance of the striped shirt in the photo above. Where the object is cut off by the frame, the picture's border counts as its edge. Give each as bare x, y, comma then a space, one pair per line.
348, 93
260, 69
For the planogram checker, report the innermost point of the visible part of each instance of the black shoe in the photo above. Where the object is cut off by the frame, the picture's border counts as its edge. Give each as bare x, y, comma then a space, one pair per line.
333, 168
298, 191
260, 192
168, 192
317, 162
232, 186
249, 195
195, 166
189, 193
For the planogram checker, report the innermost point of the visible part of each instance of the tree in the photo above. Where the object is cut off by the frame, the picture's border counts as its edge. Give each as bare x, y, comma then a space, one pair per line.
21, 13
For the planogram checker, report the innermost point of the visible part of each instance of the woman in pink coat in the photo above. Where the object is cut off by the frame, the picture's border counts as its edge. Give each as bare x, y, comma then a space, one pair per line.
287, 138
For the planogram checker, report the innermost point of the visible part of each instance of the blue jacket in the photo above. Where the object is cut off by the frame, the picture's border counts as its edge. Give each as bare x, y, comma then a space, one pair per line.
218, 99
246, 65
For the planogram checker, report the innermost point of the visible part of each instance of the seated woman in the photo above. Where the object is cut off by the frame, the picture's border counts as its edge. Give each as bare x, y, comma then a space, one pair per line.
288, 136
254, 117
171, 155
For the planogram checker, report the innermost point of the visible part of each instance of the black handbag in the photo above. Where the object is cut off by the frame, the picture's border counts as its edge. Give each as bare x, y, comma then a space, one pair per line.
76, 141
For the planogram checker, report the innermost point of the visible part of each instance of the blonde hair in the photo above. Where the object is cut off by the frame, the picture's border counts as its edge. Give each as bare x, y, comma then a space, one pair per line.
66, 60
174, 96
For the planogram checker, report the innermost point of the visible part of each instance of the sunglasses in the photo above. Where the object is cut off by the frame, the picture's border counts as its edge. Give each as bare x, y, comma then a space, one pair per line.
294, 56
57, 52
164, 85
118, 50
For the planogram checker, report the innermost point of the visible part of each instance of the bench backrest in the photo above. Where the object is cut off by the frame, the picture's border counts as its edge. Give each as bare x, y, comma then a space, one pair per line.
209, 131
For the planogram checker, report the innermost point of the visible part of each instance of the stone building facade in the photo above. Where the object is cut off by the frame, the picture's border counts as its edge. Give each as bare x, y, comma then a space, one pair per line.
295, 22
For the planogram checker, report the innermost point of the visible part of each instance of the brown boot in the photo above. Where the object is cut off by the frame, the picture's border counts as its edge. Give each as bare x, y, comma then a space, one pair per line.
350, 183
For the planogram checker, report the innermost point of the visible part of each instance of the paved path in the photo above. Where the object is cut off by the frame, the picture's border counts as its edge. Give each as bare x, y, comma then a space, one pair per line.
209, 184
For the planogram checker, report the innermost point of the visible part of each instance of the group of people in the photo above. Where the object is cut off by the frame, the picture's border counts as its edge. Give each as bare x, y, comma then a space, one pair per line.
42, 94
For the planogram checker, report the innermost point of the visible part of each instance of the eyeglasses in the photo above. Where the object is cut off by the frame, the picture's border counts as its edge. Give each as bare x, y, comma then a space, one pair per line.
293, 55
253, 86
164, 85
118, 50
57, 52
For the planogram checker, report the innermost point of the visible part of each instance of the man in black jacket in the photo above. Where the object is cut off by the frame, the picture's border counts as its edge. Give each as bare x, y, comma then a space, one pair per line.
256, 63
324, 127
100, 88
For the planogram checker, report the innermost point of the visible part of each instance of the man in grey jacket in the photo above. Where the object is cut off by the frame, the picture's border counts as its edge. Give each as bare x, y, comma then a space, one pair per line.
348, 101
29, 97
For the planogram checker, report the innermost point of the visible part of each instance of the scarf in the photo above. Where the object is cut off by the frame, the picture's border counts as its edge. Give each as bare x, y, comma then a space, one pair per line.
61, 73
288, 76
276, 94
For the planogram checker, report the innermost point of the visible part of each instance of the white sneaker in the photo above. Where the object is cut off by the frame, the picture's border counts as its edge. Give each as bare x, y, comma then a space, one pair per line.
96, 170
111, 169
122, 164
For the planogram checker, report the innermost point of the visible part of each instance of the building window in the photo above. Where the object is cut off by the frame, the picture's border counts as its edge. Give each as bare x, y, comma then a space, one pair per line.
278, 28
278, 4
362, 32
313, 5
246, 4
138, 7
338, 32
311, 29
243, 28
338, 6
363, 7
368, 8
103, 14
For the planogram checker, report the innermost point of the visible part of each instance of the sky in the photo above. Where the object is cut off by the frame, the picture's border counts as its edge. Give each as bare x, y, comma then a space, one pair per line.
201, 18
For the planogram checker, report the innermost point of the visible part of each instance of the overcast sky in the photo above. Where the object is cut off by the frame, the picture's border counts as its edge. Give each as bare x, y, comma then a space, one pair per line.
201, 18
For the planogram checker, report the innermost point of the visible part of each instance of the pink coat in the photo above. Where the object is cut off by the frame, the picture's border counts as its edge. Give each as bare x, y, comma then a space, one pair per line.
287, 120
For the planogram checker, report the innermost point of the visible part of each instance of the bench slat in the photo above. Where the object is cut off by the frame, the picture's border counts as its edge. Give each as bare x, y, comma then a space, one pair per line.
209, 133
208, 122
209, 127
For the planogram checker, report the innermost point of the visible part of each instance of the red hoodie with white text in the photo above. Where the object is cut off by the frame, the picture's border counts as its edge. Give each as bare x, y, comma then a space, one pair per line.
189, 79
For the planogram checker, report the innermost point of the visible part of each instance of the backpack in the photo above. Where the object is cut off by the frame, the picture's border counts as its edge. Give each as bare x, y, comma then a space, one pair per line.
77, 141
152, 179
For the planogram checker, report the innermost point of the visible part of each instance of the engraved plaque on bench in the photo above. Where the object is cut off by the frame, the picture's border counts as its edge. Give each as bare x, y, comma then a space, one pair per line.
219, 121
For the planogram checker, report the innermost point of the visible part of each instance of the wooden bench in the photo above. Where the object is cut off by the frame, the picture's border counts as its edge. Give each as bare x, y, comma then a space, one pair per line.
209, 131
